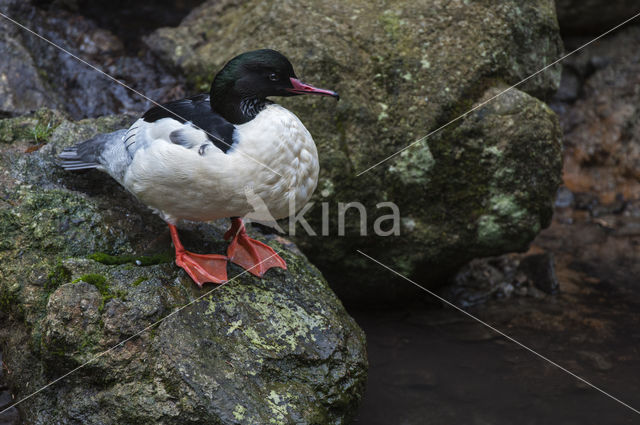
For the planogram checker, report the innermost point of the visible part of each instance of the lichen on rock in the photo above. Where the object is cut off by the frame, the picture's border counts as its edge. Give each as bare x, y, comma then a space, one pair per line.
253, 351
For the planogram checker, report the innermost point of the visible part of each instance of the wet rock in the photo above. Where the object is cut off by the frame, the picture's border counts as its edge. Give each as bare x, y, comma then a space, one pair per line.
570, 87
34, 73
10, 417
593, 16
5, 399
22, 88
482, 186
482, 280
126, 19
253, 351
531, 275
564, 198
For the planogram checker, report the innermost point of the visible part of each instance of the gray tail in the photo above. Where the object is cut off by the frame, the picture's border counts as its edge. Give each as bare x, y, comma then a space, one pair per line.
85, 155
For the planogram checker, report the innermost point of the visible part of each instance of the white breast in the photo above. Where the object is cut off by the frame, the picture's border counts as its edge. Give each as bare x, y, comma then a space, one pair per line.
273, 157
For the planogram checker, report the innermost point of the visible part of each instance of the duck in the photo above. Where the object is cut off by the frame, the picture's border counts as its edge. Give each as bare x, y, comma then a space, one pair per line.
207, 156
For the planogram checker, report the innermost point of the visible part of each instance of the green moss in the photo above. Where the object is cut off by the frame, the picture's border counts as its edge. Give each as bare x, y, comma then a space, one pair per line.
96, 280
9, 225
58, 276
139, 280
113, 260
8, 298
15, 129
100, 282
38, 126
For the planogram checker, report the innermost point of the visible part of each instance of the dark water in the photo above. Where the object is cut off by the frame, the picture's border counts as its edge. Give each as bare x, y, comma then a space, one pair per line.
436, 366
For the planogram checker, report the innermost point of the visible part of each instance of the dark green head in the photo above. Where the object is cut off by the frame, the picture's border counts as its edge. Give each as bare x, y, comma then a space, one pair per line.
240, 89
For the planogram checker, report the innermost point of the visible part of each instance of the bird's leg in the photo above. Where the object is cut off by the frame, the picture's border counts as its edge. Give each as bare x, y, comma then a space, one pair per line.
236, 224
250, 254
202, 268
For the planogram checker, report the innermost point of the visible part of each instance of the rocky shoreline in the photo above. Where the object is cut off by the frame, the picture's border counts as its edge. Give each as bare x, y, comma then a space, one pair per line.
84, 265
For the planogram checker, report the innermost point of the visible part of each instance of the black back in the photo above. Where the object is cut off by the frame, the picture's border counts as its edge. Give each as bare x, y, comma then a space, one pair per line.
197, 110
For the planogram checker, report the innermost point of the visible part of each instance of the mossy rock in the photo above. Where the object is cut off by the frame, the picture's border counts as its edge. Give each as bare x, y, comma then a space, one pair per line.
403, 69
85, 266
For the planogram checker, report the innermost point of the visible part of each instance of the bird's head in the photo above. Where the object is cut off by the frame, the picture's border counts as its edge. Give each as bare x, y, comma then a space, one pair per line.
256, 75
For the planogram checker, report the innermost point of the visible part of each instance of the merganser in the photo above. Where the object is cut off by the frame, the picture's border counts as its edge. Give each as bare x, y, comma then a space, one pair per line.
196, 159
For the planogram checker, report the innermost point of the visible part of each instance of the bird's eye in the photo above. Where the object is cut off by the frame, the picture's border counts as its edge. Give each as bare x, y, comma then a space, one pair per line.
274, 77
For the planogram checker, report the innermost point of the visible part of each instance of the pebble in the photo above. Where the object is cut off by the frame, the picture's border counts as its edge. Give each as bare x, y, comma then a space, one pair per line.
564, 198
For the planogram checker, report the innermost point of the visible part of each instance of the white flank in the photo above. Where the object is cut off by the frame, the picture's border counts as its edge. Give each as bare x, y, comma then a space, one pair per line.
180, 183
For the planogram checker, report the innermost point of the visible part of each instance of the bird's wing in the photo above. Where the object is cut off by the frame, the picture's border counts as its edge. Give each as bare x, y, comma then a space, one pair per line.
201, 128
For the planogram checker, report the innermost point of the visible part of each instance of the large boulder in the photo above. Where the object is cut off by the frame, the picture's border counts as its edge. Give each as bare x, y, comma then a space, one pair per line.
482, 186
85, 266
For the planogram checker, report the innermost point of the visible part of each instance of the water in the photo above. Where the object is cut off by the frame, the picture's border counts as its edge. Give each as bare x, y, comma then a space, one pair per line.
436, 366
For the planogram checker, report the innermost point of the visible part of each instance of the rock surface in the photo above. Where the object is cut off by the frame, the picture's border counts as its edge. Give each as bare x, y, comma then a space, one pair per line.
21, 87
600, 119
10, 416
33, 73
482, 186
279, 350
